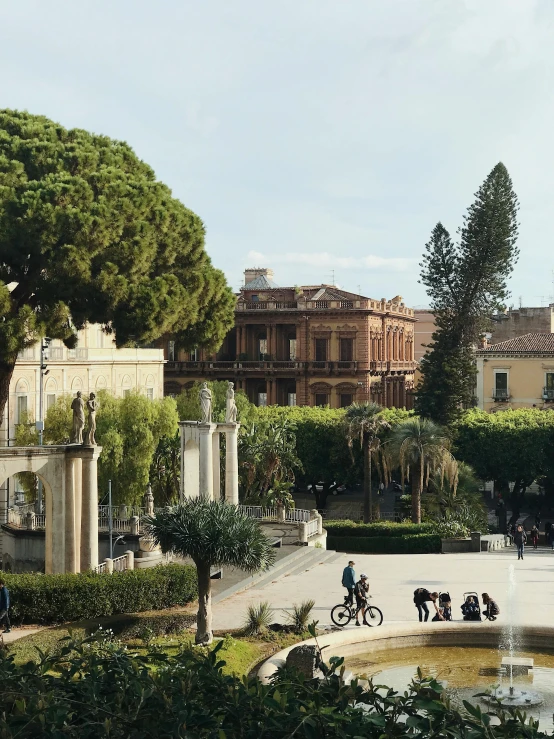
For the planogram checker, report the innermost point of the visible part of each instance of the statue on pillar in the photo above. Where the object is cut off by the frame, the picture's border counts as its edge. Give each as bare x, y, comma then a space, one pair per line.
149, 501
78, 408
231, 409
206, 403
92, 407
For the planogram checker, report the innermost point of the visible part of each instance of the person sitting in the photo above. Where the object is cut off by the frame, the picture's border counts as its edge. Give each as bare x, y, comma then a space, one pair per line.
361, 592
445, 608
470, 609
492, 610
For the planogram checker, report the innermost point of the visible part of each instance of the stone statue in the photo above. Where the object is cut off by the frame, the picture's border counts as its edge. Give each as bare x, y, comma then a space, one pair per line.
78, 408
231, 410
206, 403
92, 407
149, 501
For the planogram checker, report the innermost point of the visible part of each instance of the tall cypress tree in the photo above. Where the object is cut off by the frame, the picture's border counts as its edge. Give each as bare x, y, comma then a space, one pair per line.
466, 283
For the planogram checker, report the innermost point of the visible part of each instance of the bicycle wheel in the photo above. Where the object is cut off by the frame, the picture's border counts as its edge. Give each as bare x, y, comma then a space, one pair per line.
341, 615
373, 616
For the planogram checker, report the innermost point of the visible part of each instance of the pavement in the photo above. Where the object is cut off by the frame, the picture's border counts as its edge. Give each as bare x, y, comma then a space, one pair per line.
394, 577
16, 633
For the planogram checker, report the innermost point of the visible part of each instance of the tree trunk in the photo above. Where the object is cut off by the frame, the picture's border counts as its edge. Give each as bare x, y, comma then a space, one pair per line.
204, 634
416, 498
320, 496
367, 484
6, 371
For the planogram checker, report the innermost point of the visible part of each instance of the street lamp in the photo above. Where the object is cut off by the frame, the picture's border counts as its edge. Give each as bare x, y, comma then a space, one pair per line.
44, 344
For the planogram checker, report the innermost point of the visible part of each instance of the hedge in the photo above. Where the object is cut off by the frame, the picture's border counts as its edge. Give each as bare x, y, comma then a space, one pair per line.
48, 599
410, 544
385, 528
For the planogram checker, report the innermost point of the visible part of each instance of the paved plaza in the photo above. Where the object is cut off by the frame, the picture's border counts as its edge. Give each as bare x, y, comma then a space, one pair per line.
393, 578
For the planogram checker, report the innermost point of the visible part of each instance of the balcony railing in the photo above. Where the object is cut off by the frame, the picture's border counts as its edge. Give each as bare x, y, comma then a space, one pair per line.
548, 393
382, 306
241, 366
500, 393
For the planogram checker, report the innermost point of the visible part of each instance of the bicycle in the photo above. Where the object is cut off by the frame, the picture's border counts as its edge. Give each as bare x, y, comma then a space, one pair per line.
342, 614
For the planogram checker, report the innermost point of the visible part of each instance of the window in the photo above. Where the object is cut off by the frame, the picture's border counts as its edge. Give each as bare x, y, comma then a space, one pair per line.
21, 408
126, 392
321, 350
255, 298
549, 385
100, 339
500, 389
50, 400
262, 348
292, 349
150, 393
347, 350
193, 356
321, 399
346, 399
28, 353
171, 351
291, 399
262, 400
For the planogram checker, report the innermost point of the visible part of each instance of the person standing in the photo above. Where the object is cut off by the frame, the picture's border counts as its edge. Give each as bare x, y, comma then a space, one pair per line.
421, 597
535, 536
520, 538
361, 590
5, 606
349, 582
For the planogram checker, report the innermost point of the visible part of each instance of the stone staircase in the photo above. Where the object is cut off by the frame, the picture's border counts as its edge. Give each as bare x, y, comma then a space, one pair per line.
292, 563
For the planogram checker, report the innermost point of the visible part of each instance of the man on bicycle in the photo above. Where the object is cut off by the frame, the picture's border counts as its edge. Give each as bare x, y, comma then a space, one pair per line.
349, 582
361, 592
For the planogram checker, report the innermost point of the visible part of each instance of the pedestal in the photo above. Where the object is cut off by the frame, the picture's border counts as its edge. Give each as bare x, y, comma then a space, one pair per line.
70, 544
206, 481
89, 527
231, 465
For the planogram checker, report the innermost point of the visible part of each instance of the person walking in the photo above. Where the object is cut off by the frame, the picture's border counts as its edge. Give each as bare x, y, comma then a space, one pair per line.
421, 597
535, 536
361, 590
5, 606
520, 539
349, 582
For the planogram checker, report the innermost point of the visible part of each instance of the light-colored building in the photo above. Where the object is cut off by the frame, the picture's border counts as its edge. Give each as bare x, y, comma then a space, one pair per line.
518, 373
95, 364
307, 345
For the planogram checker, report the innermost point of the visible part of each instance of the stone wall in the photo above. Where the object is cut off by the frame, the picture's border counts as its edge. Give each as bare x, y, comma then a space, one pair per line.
520, 321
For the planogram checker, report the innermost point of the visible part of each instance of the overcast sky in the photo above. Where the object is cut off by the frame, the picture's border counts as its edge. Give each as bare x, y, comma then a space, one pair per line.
310, 135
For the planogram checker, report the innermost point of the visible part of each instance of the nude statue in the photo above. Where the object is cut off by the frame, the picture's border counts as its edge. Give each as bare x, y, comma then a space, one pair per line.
92, 407
231, 410
206, 403
78, 408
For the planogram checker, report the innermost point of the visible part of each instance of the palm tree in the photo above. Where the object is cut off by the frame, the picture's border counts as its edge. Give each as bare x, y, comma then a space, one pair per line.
419, 448
365, 423
211, 533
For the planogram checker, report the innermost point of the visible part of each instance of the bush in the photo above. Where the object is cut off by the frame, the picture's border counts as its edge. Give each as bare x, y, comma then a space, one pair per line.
299, 616
258, 618
102, 691
410, 544
47, 599
385, 528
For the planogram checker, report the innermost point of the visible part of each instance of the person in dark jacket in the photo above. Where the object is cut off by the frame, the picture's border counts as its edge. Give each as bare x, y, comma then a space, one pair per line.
520, 538
349, 582
535, 536
492, 610
421, 597
5, 606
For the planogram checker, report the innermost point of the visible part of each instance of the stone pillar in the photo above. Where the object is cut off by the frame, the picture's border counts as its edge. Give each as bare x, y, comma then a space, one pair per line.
30, 521
70, 544
134, 523
78, 467
281, 513
48, 534
89, 519
303, 533
216, 461
316, 514
206, 461
231, 465
130, 559
109, 566
57, 528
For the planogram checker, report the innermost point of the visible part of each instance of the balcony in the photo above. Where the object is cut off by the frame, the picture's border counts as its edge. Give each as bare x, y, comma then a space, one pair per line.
291, 367
548, 393
500, 394
381, 306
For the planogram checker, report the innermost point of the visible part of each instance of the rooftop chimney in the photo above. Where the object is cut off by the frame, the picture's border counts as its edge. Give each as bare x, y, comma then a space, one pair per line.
252, 273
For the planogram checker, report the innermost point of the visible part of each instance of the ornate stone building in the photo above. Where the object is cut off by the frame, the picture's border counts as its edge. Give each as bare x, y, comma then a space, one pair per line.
307, 345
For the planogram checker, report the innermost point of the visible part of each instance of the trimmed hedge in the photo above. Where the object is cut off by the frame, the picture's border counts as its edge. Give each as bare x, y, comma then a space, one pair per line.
410, 544
385, 528
47, 599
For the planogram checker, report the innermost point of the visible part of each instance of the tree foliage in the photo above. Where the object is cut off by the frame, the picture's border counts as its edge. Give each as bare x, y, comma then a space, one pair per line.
87, 234
466, 283
211, 533
128, 430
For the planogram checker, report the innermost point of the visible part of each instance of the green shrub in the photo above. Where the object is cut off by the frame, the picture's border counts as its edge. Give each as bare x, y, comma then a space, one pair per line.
411, 544
258, 618
382, 528
299, 617
47, 599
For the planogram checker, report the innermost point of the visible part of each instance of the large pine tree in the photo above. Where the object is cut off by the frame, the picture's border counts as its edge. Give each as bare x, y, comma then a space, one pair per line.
466, 283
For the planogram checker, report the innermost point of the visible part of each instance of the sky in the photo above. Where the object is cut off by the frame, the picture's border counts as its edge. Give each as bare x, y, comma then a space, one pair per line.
321, 138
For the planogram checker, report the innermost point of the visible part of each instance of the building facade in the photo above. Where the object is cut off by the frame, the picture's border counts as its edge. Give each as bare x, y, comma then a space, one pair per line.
309, 345
95, 364
518, 373
520, 321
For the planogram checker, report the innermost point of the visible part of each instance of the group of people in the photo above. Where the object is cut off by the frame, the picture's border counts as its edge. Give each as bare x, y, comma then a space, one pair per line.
358, 589
518, 535
443, 606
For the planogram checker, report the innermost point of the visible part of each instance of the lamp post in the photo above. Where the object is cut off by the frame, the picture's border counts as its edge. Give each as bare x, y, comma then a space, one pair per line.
44, 344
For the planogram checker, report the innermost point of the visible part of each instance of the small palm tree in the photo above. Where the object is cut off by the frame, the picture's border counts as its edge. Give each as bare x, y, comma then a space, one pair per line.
364, 422
419, 448
211, 533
